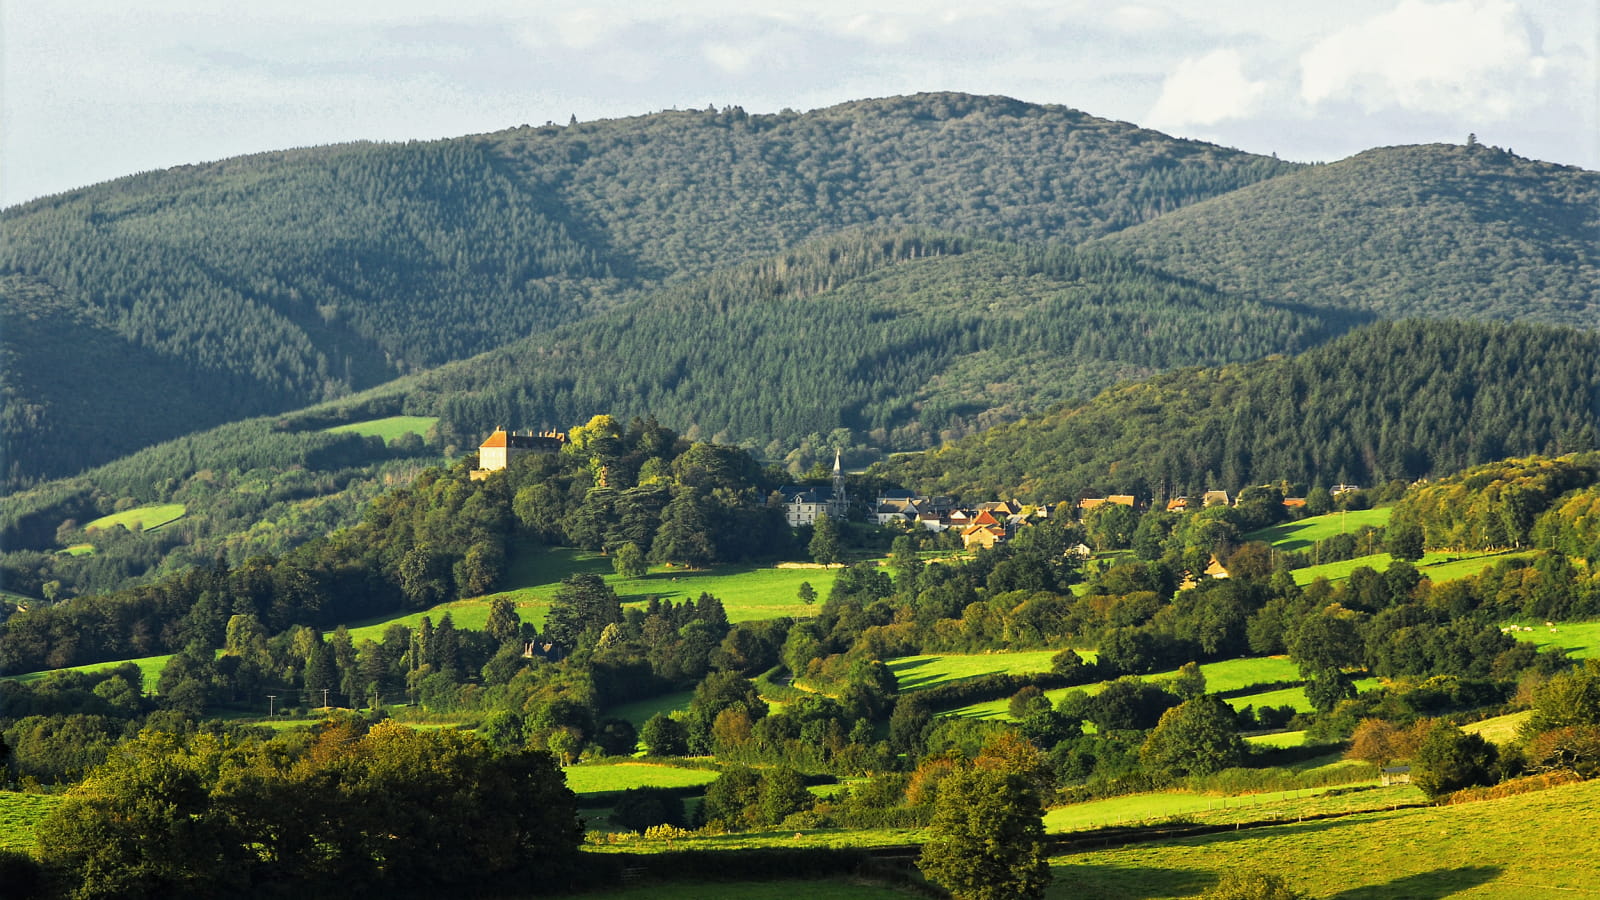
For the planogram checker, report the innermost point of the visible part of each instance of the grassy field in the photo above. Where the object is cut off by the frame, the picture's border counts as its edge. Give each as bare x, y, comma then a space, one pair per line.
19, 813
1439, 567
1537, 845
389, 428
747, 592
150, 666
148, 518
1581, 640
1277, 739
1500, 729
917, 672
1293, 696
1227, 675
827, 889
599, 779
1302, 534
1164, 806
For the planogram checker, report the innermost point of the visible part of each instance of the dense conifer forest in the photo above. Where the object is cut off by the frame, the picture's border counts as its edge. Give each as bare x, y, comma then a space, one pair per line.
1391, 401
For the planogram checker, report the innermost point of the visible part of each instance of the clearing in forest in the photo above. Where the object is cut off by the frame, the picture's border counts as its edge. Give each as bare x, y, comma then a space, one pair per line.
388, 428
146, 518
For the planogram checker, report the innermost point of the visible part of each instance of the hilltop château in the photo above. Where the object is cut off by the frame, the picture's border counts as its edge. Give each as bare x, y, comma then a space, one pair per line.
500, 448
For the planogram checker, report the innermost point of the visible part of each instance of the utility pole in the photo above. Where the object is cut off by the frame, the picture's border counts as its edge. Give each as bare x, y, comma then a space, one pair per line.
324, 698
271, 699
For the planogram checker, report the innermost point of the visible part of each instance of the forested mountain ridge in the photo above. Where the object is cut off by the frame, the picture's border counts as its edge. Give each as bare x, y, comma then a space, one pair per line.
1466, 232
303, 275
902, 336
1393, 400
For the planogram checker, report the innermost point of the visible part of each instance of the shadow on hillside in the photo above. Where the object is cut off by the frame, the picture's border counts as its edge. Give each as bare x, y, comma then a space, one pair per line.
1425, 885
1126, 882
907, 677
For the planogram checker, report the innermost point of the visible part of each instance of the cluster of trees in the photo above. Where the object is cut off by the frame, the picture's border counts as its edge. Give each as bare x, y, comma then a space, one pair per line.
1391, 401
385, 810
443, 537
1503, 504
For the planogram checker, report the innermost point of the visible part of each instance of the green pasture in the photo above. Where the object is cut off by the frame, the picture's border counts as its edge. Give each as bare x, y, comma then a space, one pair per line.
1536, 845
930, 670
812, 889
747, 591
80, 550
1226, 675
1302, 534
387, 428
148, 518
1439, 567
1291, 696
20, 814
640, 711
149, 666
1161, 806
606, 777
1500, 729
473, 614
1581, 640
1277, 739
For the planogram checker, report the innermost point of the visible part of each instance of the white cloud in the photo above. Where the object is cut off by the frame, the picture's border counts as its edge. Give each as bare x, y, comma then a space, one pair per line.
1467, 56
1206, 90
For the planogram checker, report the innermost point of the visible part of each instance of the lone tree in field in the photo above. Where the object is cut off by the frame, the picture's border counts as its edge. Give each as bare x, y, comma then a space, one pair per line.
987, 837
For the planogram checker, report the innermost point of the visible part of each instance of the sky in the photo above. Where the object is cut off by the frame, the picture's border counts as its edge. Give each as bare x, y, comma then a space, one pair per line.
94, 89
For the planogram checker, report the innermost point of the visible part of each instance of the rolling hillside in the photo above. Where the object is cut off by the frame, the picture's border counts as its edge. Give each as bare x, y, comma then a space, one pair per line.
1440, 231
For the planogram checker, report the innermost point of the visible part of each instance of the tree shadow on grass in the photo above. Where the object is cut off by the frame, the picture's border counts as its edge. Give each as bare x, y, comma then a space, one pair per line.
907, 677
1126, 882
1425, 885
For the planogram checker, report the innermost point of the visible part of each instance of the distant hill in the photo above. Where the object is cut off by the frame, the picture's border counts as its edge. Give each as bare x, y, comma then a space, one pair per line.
1394, 400
298, 276
1441, 231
